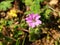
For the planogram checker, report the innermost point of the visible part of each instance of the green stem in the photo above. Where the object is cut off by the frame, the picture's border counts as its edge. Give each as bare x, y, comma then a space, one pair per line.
24, 40
56, 43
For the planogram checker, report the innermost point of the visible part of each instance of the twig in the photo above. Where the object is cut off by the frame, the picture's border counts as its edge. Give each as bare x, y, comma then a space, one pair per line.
11, 38
51, 35
52, 8
24, 30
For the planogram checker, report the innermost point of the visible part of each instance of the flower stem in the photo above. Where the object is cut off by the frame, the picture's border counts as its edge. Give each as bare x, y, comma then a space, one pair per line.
24, 39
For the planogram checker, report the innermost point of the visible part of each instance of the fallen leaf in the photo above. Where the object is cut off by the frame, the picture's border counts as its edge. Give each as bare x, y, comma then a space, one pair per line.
53, 2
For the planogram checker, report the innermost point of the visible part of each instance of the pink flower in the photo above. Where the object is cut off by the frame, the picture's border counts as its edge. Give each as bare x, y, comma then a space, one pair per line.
33, 20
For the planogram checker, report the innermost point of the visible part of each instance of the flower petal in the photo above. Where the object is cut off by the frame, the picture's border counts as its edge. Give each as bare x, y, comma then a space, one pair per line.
28, 18
31, 16
33, 20
37, 16
32, 25
29, 21
38, 22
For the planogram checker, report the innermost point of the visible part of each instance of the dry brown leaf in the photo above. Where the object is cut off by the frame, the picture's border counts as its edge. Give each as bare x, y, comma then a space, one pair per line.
53, 2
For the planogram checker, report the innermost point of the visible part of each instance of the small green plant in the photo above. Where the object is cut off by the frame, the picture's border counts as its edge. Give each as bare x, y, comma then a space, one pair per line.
4, 5
33, 22
34, 6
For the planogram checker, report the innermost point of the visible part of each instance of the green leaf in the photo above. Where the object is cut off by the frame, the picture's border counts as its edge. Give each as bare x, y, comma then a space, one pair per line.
47, 13
34, 34
37, 31
28, 2
23, 24
39, 1
1, 43
1, 26
18, 42
32, 37
35, 7
8, 23
9, 0
56, 42
27, 12
31, 30
18, 33
4, 5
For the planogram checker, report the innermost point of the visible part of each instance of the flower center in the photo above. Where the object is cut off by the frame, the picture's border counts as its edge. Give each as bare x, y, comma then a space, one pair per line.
34, 20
